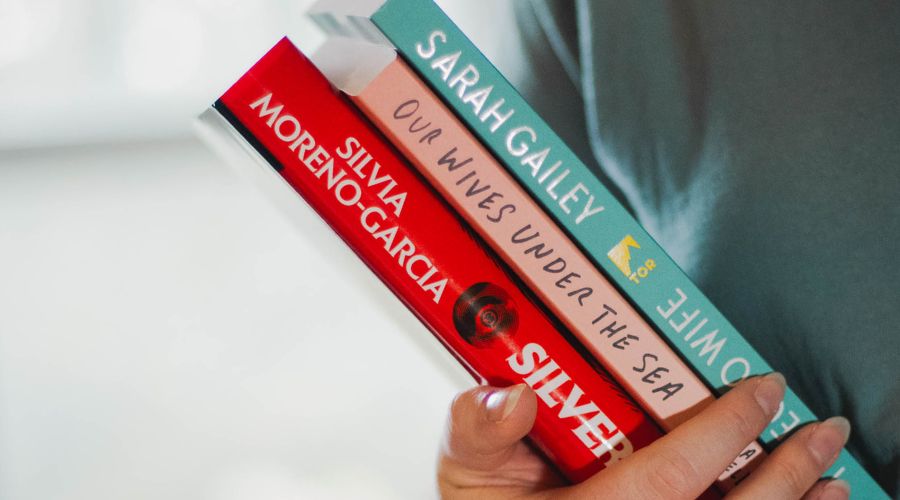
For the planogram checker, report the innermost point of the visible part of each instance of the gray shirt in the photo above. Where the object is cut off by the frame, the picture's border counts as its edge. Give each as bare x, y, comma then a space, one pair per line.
759, 143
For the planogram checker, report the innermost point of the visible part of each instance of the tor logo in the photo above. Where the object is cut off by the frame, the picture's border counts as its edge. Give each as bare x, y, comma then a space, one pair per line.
620, 255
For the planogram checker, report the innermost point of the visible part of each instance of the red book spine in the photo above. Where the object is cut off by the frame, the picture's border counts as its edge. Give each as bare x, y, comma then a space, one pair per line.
422, 251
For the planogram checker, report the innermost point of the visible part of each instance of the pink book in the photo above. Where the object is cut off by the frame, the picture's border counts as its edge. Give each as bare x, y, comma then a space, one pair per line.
470, 179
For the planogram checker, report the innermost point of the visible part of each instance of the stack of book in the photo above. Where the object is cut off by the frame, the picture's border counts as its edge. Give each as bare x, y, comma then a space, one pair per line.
434, 170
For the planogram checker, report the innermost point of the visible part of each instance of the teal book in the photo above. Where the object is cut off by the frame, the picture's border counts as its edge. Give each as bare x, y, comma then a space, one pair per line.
564, 186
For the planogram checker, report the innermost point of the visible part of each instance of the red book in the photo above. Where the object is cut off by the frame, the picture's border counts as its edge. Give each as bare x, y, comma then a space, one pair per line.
320, 144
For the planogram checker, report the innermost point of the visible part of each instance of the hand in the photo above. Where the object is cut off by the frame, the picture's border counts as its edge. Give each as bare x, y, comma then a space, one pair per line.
484, 456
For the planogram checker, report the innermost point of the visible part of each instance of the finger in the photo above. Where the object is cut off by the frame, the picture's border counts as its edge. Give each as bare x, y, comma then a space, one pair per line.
688, 460
486, 424
798, 462
829, 489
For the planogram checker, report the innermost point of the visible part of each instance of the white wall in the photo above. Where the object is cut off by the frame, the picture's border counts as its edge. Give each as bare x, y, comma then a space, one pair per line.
165, 332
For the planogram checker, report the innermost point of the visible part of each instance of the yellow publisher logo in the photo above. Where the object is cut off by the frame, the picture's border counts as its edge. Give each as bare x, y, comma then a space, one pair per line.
621, 257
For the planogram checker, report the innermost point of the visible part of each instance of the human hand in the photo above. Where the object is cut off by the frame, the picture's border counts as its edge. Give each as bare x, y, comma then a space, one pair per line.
483, 455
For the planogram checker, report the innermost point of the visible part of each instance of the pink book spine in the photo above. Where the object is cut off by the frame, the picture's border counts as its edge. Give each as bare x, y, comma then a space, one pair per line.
466, 174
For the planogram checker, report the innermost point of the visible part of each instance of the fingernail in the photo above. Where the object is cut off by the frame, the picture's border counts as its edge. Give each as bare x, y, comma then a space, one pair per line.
828, 438
770, 392
502, 402
836, 489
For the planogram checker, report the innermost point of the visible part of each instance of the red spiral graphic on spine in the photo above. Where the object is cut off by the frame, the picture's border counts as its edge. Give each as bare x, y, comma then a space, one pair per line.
483, 312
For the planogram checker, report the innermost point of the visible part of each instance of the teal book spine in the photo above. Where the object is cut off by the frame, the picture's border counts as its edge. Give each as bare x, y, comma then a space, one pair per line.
489, 105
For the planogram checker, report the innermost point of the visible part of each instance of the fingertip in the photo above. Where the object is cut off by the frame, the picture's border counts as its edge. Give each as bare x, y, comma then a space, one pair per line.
769, 392
836, 489
512, 412
778, 378
525, 408
486, 422
828, 439
795, 466
829, 489
841, 425
500, 403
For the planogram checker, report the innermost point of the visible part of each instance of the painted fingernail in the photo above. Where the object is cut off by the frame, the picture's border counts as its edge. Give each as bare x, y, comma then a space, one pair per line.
502, 402
836, 489
828, 438
770, 391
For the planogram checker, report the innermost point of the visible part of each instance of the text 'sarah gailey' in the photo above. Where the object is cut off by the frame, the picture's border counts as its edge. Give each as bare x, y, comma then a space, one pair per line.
521, 141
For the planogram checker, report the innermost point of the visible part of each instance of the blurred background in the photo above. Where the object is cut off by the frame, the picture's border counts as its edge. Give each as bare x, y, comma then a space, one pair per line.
165, 331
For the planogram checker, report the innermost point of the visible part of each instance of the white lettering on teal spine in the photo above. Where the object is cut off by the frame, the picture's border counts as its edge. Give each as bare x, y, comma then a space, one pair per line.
708, 344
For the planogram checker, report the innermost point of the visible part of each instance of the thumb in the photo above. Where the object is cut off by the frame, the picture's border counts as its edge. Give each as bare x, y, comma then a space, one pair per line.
486, 425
